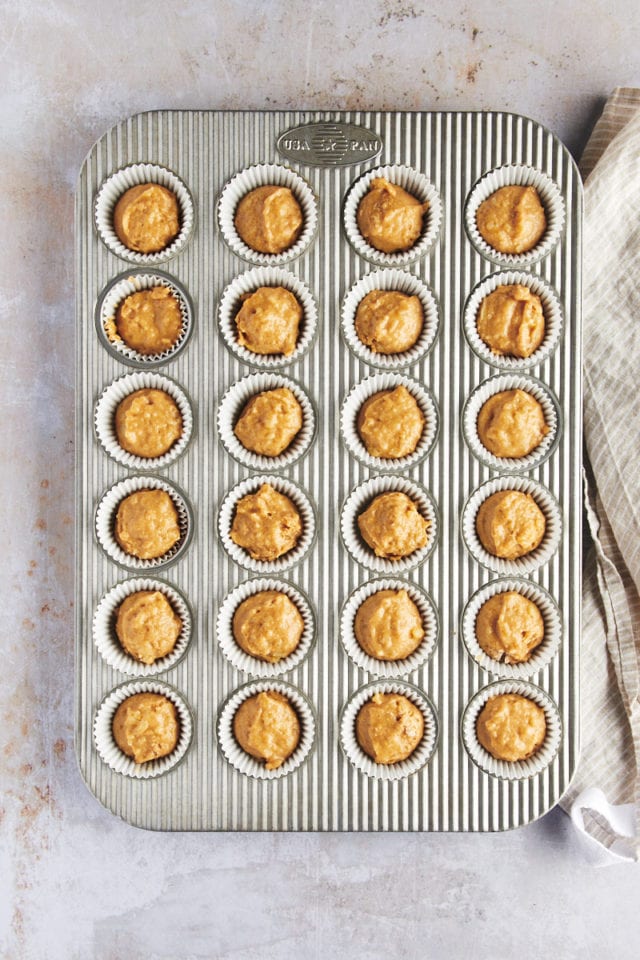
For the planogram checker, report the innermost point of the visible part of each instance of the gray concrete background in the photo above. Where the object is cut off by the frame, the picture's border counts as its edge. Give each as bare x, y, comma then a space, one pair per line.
75, 883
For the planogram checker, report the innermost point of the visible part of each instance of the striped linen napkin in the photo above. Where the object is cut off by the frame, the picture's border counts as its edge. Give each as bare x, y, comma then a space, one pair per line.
604, 798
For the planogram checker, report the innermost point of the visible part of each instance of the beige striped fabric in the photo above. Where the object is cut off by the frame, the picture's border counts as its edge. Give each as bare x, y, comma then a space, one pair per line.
610, 679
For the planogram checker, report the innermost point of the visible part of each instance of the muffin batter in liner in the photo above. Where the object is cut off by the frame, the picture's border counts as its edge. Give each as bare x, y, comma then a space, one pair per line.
234, 402
106, 639
540, 656
389, 669
106, 517
109, 750
241, 660
531, 561
301, 501
550, 409
361, 760
359, 500
361, 392
105, 418
550, 307
239, 758
506, 769
413, 182
131, 176
261, 175
516, 174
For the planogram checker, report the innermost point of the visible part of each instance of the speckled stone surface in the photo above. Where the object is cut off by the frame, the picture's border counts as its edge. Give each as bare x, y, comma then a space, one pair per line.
76, 883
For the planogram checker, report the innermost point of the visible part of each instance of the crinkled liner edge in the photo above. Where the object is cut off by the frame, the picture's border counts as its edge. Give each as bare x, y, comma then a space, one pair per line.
417, 760
243, 762
244, 661
122, 180
105, 414
389, 669
125, 285
105, 522
360, 497
531, 561
301, 501
415, 183
515, 174
390, 280
360, 393
232, 405
248, 283
551, 309
507, 769
111, 753
541, 656
261, 175
106, 640
552, 417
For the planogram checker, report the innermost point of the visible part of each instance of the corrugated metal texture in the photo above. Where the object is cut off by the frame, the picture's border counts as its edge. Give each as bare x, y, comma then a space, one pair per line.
326, 793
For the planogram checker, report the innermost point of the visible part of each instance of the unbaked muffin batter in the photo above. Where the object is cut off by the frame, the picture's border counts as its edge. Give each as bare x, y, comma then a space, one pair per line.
389, 218
388, 625
267, 727
268, 625
269, 219
147, 626
266, 524
511, 424
511, 321
511, 727
510, 524
393, 526
147, 218
389, 322
147, 524
146, 726
269, 422
148, 423
509, 627
512, 219
148, 321
389, 727
390, 423
268, 321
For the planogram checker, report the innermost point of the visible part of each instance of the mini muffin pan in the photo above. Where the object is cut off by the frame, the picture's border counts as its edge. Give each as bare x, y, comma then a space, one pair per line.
209, 783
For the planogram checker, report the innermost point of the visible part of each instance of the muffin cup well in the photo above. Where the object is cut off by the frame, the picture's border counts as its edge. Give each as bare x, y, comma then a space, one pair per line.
515, 174
106, 639
244, 661
550, 409
361, 760
261, 175
244, 762
531, 561
301, 501
121, 181
388, 280
551, 309
109, 750
234, 402
358, 501
249, 282
507, 769
360, 393
106, 518
105, 418
415, 183
540, 656
389, 669
124, 286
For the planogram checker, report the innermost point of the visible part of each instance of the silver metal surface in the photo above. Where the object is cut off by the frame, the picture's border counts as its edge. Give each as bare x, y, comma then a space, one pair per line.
204, 792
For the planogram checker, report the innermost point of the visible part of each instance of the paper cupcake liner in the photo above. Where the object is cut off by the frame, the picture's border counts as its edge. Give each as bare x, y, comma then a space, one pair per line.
249, 282
403, 282
106, 518
363, 391
105, 419
358, 501
106, 639
538, 557
550, 307
506, 769
300, 500
121, 181
550, 409
262, 175
541, 656
109, 750
389, 669
415, 183
244, 762
361, 760
244, 661
517, 175
234, 402
118, 290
